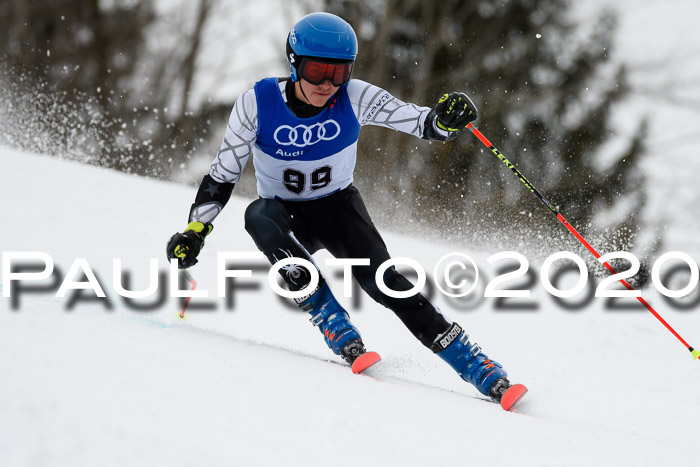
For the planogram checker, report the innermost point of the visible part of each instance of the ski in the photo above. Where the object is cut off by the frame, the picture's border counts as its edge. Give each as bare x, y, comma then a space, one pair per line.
506, 394
365, 361
502, 392
512, 396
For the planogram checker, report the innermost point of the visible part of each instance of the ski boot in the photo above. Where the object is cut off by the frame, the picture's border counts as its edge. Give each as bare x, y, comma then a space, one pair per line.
339, 333
471, 364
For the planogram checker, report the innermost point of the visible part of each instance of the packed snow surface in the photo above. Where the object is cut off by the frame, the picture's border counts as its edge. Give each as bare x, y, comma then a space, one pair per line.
251, 382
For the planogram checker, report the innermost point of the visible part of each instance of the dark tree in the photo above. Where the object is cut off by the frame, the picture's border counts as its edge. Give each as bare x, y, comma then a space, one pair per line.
545, 90
81, 79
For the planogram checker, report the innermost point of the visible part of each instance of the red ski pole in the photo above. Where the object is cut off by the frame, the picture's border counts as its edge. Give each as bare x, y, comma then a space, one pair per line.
579, 237
193, 285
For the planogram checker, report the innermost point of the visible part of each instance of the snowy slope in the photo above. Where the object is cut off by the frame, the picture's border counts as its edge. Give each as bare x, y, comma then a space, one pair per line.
255, 385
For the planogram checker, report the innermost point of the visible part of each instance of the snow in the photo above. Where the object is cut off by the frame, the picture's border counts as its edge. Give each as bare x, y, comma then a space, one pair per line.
255, 384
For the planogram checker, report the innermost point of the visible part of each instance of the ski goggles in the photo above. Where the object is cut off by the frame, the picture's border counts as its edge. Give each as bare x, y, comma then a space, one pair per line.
316, 71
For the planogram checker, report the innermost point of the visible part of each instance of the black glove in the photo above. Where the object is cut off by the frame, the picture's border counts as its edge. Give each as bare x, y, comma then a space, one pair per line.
454, 112
186, 246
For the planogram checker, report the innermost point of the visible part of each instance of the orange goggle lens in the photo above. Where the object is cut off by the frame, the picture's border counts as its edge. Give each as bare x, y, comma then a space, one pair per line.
316, 72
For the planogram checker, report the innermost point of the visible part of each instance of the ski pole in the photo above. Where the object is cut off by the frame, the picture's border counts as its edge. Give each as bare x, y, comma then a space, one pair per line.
579, 237
193, 285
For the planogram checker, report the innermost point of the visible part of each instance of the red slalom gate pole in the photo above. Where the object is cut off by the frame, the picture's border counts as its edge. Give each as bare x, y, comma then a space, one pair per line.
579, 237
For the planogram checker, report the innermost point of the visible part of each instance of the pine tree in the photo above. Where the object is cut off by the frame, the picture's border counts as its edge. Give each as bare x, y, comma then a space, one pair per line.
85, 79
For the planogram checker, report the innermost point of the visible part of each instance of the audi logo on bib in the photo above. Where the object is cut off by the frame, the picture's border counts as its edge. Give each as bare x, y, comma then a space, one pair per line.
302, 135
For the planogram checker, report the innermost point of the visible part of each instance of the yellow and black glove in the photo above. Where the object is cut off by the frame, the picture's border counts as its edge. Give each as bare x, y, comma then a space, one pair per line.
186, 246
454, 112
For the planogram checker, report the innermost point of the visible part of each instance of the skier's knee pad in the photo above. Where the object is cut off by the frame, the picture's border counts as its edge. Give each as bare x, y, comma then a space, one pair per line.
266, 221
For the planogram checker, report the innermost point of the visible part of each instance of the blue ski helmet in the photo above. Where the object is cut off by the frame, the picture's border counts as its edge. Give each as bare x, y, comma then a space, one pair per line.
320, 35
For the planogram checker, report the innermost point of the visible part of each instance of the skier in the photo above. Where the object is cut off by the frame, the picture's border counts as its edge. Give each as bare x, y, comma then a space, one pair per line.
302, 131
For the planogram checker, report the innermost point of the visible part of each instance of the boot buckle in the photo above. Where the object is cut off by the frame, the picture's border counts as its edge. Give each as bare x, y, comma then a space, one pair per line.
317, 319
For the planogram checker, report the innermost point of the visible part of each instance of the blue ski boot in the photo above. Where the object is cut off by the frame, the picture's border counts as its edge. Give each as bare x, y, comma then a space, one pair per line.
333, 321
471, 364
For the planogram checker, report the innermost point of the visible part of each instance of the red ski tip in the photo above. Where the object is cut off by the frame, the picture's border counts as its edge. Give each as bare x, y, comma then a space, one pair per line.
365, 361
512, 395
